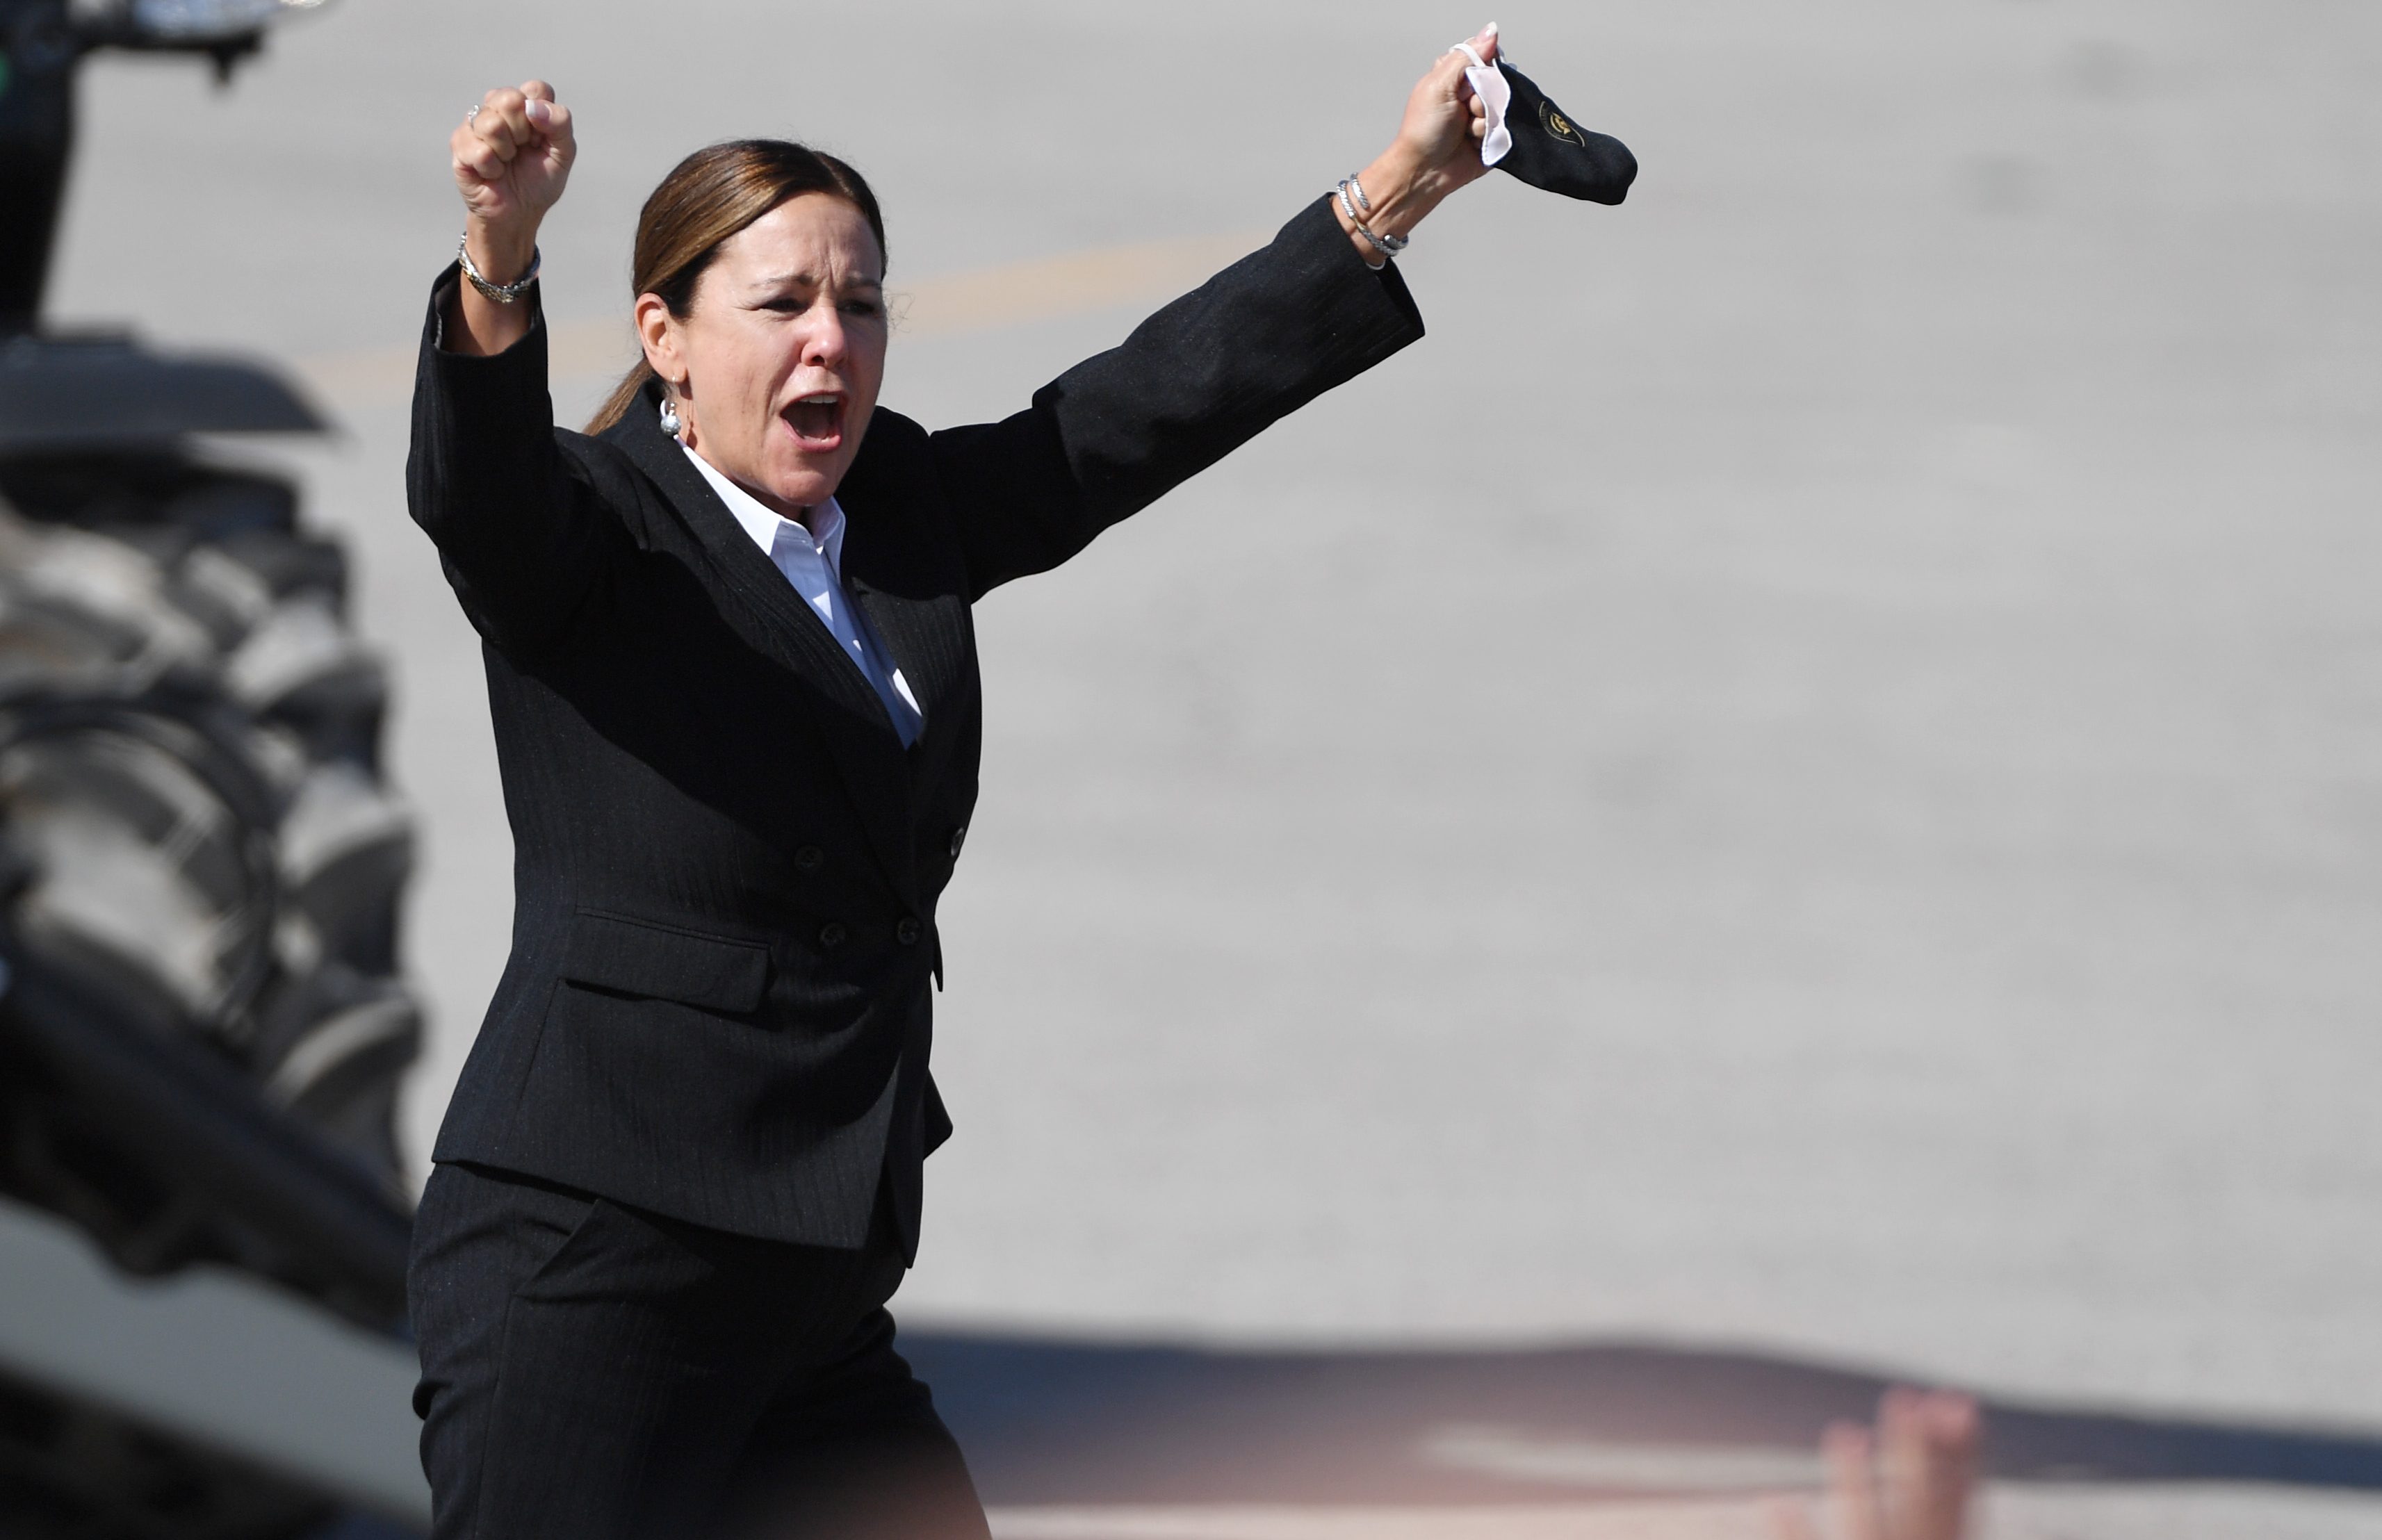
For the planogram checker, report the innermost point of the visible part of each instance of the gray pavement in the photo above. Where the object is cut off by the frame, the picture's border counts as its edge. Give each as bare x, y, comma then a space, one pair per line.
1805, 772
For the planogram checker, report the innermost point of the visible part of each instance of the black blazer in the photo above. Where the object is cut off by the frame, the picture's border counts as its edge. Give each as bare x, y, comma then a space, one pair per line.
725, 863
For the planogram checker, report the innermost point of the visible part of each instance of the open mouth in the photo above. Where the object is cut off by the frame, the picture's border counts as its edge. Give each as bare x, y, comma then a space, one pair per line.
817, 421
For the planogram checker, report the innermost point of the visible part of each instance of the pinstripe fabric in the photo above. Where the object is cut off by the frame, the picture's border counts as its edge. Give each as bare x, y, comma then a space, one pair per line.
717, 1006
591, 1370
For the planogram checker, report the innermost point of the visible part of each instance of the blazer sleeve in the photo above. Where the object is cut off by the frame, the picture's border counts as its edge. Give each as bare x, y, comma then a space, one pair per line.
1193, 383
520, 532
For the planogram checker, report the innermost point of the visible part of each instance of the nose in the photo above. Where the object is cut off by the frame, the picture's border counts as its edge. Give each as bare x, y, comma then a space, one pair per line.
823, 340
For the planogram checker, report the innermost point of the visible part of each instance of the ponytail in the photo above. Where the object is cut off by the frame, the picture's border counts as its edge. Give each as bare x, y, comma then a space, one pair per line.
624, 396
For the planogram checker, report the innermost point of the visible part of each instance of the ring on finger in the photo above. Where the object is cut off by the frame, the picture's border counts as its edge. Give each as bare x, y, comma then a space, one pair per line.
473, 114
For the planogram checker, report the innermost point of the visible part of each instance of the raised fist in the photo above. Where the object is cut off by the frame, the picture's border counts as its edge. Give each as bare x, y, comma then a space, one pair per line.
512, 158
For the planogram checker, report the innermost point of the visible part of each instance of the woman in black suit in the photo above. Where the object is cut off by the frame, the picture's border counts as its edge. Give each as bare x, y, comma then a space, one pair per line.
734, 691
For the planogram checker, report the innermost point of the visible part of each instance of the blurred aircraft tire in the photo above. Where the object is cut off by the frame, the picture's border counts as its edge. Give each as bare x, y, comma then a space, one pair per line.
192, 804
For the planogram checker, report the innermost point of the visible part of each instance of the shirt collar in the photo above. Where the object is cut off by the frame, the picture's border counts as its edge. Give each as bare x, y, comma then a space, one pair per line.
767, 526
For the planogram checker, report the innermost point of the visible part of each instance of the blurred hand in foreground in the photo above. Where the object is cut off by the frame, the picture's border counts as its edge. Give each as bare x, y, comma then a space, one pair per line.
1910, 1478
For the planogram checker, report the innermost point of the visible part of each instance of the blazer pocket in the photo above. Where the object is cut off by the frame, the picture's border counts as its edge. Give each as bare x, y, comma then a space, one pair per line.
638, 956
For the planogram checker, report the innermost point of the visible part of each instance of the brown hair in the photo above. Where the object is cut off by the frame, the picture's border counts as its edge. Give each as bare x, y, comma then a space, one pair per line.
705, 199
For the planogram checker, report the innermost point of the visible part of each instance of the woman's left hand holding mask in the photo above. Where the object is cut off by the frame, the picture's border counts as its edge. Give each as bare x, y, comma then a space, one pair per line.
1437, 151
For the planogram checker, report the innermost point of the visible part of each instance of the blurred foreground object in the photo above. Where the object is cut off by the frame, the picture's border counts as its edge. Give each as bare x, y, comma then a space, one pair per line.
202, 1026
194, 837
1912, 1476
42, 42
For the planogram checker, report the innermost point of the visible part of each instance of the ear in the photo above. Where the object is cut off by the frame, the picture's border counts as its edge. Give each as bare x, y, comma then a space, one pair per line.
658, 332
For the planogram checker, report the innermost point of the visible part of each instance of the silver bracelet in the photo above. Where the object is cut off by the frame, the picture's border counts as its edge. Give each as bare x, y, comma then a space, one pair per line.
1358, 188
503, 294
1389, 246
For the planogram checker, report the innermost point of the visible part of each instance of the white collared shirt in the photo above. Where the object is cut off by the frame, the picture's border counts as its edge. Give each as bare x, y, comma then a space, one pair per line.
812, 559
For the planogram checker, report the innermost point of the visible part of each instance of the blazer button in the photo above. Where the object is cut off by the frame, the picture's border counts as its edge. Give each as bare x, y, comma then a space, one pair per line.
834, 933
959, 836
907, 932
809, 858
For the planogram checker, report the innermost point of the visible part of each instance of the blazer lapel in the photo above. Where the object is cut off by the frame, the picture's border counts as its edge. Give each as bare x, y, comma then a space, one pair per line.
859, 736
925, 643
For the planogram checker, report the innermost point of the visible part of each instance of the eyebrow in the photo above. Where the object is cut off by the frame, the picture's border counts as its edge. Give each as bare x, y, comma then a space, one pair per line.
811, 280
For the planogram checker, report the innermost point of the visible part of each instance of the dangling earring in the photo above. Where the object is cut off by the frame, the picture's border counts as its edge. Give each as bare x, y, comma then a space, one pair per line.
669, 417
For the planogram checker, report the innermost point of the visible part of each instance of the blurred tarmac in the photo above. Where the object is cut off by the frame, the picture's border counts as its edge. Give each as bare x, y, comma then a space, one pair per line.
1804, 774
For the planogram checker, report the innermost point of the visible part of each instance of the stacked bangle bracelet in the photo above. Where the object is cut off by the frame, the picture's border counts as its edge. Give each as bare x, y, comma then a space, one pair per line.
1389, 246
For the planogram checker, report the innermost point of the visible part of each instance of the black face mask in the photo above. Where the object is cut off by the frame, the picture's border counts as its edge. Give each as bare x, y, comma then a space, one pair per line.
1551, 150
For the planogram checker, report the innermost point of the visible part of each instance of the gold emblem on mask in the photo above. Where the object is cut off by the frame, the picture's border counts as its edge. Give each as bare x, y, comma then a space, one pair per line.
1559, 125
